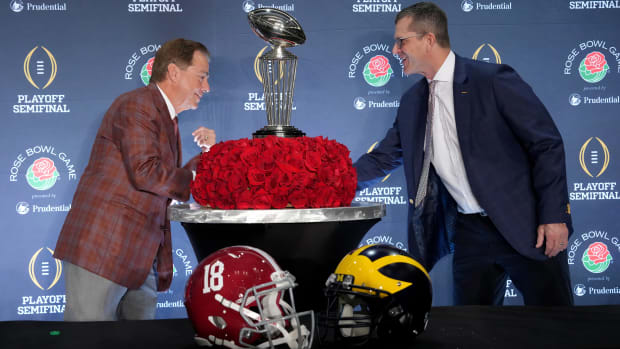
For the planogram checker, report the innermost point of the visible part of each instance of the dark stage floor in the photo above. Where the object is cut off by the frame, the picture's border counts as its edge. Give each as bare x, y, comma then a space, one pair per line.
450, 327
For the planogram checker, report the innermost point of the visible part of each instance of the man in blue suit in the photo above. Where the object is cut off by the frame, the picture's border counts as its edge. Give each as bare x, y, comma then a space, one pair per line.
494, 191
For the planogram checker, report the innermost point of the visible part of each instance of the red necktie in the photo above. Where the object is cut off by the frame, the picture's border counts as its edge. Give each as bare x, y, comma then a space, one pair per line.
177, 138
176, 127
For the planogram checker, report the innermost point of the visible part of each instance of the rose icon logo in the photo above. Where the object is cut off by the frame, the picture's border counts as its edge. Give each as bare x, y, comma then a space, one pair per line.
596, 258
378, 71
594, 67
147, 70
42, 174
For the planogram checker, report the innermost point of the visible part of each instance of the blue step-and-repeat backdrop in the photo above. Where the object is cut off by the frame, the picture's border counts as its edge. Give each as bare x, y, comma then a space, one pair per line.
64, 62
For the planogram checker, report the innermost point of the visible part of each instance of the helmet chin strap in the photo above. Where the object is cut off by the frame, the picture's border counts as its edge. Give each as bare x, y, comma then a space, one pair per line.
236, 307
275, 308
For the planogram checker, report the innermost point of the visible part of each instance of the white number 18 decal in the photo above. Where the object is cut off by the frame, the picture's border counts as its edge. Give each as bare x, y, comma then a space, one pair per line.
213, 277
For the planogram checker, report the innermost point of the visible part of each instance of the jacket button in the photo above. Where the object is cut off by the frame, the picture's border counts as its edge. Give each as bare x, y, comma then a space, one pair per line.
411, 201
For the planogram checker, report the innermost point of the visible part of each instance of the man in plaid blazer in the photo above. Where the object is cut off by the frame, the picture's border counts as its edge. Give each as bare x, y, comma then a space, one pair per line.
115, 242
496, 193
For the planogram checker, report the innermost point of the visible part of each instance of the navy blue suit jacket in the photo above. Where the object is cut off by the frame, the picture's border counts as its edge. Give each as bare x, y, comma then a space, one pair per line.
512, 151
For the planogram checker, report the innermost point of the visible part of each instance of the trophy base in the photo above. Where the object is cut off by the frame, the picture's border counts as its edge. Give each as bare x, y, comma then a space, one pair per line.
278, 131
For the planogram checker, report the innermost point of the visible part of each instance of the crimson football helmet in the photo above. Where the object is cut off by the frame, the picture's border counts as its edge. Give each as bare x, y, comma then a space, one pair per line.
238, 297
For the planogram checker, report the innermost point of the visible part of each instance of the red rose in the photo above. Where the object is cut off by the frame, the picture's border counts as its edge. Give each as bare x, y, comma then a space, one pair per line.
237, 182
595, 62
312, 160
256, 177
598, 252
379, 66
266, 162
279, 201
43, 168
249, 156
261, 199
286, 180
303, 179
298, 199
244, 200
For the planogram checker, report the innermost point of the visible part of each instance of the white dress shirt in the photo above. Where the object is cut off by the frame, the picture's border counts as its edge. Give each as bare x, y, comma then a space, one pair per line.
447, 158
173, 113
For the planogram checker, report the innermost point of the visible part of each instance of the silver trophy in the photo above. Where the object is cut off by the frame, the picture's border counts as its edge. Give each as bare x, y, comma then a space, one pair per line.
277, 68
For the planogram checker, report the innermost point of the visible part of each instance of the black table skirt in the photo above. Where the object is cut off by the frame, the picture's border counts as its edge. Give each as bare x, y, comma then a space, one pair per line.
449, 327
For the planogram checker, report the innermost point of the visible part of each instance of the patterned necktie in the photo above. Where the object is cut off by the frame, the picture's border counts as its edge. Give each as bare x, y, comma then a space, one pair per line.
176, 127
177, 138
428, 146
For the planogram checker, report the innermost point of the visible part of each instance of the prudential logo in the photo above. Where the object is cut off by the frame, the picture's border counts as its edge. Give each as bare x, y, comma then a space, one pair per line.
467, 5
17, 5
248, 5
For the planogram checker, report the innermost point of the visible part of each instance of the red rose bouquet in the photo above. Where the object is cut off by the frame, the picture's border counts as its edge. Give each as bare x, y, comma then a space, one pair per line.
275, 172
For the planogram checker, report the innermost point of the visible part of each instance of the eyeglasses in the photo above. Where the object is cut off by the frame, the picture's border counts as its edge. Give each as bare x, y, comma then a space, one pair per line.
399, 41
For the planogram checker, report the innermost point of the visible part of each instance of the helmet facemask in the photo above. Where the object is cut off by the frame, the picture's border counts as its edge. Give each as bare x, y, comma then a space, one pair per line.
276, 320
353, 312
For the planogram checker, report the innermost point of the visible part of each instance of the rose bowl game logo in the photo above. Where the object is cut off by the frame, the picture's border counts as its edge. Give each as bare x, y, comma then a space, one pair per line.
594, 61
42, 174
136, 69
594, 67
378, 71
147, 71
596, 258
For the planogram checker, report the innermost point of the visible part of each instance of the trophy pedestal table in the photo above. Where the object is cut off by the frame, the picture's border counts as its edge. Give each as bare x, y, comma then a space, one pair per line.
309, 243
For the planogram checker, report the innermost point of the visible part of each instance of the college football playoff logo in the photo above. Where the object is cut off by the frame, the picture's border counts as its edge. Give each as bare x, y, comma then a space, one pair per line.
496, 55
594, 157
43, 266
40, 67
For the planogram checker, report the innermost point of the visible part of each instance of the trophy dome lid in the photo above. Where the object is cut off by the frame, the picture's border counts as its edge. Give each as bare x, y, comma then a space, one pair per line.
276, 27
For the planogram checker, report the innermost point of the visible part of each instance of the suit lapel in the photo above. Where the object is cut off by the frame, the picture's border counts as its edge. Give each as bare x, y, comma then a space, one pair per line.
462, 106
164, 114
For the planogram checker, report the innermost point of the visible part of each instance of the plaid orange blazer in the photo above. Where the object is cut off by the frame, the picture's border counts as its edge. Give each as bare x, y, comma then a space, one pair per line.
117, 224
